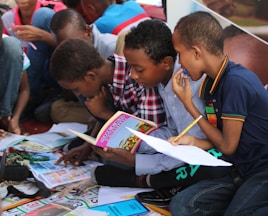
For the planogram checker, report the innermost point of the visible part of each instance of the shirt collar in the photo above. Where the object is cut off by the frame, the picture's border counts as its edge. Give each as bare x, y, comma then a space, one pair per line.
205, 83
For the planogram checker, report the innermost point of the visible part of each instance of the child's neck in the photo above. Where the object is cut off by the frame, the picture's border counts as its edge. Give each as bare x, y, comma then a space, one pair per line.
26, 16
107, 72
215, 65
168, 76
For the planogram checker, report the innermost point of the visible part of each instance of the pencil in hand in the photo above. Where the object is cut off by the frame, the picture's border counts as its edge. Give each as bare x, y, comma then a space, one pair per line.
188, 128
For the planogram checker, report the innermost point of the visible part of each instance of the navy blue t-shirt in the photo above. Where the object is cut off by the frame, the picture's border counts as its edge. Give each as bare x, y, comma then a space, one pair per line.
239, 95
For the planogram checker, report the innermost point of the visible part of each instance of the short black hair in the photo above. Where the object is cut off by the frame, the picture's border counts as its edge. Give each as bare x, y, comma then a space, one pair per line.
201, 28
73, 58
155, 37
61, 18
232, 31
71, 3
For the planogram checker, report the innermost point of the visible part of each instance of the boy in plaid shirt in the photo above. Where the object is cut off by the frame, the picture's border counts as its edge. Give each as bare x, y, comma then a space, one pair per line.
88, 74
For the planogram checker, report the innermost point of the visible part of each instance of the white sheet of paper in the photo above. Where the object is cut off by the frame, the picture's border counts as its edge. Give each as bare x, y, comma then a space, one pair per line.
115, 194
189, 154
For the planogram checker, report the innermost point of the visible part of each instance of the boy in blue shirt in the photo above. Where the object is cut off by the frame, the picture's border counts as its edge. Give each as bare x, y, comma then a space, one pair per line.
237, 104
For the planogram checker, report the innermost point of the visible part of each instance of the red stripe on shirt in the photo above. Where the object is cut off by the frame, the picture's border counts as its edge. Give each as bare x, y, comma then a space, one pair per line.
128, 22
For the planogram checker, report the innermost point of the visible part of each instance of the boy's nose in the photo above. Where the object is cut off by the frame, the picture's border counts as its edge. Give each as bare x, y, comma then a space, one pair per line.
134, 75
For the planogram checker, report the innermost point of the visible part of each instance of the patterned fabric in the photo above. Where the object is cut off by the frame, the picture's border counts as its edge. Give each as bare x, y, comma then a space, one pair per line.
133, 98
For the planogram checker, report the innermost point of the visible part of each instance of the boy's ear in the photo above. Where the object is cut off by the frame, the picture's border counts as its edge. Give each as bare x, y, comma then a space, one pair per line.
167, 62
196, 52
90, 76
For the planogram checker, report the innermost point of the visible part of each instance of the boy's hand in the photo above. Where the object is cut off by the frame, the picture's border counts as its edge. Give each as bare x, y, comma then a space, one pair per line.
118, 155
184, 140
76, 155
181, 87
28, 32
98, 105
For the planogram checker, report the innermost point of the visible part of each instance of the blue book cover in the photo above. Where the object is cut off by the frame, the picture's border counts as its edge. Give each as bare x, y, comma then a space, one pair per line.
131, 207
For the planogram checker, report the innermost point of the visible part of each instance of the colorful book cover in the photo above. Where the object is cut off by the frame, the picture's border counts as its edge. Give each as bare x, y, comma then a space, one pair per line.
114, 133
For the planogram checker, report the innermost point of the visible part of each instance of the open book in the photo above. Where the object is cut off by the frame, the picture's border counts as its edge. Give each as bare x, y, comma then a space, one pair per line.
55, 175
57, 136
114, 133
188, 154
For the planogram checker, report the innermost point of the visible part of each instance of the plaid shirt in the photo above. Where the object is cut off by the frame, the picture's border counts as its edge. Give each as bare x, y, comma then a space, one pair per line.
133, 98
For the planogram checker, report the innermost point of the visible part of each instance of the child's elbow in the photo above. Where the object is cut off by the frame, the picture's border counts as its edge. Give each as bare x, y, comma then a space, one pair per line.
228, 151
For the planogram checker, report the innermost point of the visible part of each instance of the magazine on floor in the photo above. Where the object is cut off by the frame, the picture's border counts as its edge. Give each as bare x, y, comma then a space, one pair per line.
57, 136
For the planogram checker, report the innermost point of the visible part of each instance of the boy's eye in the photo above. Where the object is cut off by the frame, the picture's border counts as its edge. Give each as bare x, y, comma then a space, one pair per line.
138, 70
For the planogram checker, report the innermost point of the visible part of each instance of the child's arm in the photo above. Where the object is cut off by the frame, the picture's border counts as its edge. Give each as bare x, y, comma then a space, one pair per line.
23, 97
117, 155
98, 105
31, 33
226, 140
191, 140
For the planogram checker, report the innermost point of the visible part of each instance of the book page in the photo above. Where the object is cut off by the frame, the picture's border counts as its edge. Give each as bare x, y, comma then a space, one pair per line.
115, 134
54, 175
188, 154
58, 135
116, 194
85, 137
10, 139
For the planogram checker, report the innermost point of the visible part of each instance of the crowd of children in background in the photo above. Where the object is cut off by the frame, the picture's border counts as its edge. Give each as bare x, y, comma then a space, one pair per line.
90, 58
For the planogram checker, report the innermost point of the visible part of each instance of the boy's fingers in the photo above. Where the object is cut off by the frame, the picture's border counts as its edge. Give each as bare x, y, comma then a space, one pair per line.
186, 81
59, 160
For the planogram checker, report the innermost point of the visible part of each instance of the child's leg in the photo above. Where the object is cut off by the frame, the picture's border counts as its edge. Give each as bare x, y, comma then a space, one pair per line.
11, 61
251, 198
207, 197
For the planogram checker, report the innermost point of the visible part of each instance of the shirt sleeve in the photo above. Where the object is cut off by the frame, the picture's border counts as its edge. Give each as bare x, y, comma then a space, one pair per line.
155, 163
236, 95
149, 161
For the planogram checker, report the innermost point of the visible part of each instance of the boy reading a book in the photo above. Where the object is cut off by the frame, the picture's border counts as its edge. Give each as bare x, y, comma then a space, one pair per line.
77, 66
238, 104
66, 24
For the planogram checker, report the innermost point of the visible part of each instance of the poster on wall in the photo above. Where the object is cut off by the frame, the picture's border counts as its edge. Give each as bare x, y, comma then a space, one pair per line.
249, 15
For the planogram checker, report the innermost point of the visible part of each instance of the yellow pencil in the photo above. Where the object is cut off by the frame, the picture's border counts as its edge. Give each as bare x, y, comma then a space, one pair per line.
157, 209
188, 128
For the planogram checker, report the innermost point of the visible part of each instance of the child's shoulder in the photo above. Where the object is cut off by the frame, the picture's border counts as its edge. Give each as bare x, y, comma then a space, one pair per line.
242, 76
239, 70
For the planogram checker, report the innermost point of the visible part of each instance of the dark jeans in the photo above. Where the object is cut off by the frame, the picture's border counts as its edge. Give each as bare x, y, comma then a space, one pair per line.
228, 196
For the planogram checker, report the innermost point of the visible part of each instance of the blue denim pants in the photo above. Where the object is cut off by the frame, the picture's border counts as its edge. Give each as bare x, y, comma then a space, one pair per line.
229, 196
38, 72
11, 61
